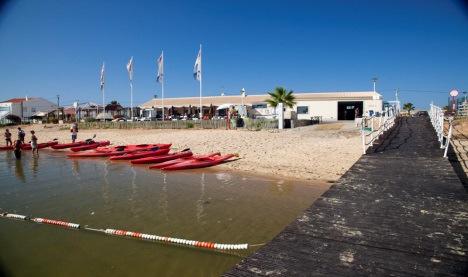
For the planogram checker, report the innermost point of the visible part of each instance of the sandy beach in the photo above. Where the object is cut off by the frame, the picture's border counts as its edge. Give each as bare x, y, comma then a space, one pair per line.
320, 152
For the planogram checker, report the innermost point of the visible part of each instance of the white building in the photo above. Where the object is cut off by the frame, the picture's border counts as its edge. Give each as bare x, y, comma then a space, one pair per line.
331, 106
25, 107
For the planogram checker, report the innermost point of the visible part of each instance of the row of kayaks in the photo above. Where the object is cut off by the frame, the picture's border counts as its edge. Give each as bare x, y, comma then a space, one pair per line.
76, 146
158, 156
27, 146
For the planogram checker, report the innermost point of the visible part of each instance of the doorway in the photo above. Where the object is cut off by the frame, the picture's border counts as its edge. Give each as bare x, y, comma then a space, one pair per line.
347, 110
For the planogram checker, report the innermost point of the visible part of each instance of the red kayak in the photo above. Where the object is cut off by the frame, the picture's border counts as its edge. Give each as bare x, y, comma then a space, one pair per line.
163, 158
68, 145
27, 146
91, 154
180, 160
133, 147
4, 148
140, 154
191, 164
90, 146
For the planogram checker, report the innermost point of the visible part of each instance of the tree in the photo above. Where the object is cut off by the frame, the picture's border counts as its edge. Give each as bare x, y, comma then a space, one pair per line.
114, 106
408, 107
281, 95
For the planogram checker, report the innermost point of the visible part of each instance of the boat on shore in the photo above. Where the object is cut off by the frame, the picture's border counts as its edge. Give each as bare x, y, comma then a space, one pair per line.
140, 154
199, 163
90, 146
163, 158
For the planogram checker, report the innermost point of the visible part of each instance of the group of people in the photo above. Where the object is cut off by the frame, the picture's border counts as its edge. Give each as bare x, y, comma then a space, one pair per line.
20, 141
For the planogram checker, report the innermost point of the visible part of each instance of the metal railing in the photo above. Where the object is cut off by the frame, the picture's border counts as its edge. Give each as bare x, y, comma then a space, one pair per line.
436, 114
373, 127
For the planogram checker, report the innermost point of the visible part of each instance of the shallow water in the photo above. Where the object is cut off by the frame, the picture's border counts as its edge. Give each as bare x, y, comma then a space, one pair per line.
205, 205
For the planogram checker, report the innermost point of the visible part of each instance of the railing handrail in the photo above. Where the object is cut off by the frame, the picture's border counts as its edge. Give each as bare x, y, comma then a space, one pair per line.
437, 117
385, 123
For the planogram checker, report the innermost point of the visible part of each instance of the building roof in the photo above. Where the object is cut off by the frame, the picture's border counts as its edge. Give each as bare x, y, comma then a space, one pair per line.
260, 98
14, 100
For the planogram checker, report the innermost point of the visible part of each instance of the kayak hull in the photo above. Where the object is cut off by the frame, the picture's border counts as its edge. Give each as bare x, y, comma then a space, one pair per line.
133, 147
90, 146
180, 160
163, 158
39, 145
192, 164
68, 145
141, 154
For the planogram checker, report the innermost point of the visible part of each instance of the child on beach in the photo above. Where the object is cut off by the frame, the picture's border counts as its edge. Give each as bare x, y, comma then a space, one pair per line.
8, 137
34, 143
21, 135
74, 131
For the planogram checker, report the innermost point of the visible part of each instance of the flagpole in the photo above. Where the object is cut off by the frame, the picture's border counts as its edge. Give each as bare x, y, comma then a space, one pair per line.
201, 107
162, 86
131, 100
103, 102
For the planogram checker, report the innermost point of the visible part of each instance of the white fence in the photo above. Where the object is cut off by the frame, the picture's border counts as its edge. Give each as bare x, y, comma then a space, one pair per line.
436, 115
373, 127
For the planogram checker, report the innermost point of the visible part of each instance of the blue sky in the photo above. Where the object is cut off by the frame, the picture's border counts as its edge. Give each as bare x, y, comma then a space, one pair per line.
57, 47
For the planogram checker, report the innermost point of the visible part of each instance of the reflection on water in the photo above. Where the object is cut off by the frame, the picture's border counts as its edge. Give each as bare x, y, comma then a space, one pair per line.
202, 205
19, 171
34, 165
200, 201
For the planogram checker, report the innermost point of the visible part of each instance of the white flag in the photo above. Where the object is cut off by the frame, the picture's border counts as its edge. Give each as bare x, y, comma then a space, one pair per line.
197, 67
160, 61
102, 78
130, 68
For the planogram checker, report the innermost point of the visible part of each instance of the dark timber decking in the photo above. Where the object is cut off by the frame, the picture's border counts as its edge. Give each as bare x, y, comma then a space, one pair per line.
400, 210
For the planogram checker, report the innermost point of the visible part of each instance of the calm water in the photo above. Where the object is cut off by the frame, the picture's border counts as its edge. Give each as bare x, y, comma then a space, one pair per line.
208, 205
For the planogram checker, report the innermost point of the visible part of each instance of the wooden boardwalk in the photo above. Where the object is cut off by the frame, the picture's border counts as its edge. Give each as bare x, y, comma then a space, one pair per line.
400, 211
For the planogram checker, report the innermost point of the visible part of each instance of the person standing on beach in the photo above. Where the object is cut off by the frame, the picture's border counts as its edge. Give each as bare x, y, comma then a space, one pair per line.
74, 131
21, 135
17, 149
34, 147
8, 137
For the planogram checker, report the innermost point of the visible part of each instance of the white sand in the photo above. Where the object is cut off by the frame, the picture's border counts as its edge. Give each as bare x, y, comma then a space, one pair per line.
320, 152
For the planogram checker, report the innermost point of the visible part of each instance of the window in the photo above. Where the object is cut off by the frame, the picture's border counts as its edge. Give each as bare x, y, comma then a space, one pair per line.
259, 106
33, 110
25, 109
302, 110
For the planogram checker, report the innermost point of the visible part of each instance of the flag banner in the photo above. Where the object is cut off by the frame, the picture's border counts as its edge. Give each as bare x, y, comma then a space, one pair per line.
130, 68
197, 67
160, 61
102, 78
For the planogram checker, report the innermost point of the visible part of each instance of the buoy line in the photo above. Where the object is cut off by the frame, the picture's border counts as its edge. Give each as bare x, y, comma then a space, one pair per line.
123, 233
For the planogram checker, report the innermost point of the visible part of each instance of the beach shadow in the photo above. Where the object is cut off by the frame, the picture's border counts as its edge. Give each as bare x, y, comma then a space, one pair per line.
457, 167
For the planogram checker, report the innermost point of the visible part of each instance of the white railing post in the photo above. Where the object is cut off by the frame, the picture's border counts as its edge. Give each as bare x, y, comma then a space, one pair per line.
449, 136
363, 135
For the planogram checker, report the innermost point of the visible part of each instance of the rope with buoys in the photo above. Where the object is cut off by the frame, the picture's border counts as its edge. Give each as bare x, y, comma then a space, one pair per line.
122, 233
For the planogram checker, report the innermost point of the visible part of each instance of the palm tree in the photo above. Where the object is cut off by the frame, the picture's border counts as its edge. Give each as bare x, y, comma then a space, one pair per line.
408, 107
281, 95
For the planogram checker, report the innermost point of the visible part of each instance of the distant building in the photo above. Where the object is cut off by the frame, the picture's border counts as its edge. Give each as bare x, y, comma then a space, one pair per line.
26, 107
82, 111
330, 106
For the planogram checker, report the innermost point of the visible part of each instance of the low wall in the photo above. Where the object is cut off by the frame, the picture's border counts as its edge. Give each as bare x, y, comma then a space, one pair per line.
250, 124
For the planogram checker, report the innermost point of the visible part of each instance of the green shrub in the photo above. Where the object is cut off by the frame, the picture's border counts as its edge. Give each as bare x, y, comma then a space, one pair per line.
190, 125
